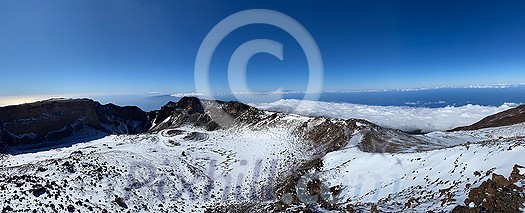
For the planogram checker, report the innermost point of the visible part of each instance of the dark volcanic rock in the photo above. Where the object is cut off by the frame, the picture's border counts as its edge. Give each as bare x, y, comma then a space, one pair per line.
120, 201
46, 120
51, 120
497, 194
38, 190
172, 115
190, 105
206, 113
505, 118
161, 115
122, 120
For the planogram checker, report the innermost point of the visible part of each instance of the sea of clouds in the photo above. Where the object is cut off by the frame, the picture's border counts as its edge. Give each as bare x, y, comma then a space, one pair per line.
398, 117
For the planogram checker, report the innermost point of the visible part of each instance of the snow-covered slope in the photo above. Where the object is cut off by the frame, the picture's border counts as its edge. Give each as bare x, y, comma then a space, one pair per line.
174, 170
437, 180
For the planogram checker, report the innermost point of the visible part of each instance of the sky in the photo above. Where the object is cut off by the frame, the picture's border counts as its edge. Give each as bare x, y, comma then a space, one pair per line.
149, 47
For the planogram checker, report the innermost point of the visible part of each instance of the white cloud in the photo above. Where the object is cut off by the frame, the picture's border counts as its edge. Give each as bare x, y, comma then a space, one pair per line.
180, 95
397, 117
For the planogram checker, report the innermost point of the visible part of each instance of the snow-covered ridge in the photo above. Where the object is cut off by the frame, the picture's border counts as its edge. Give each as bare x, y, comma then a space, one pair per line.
404, 118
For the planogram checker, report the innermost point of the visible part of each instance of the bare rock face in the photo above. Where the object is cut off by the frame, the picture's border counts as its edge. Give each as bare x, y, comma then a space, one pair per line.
188, 110
505, 118
51, 120
190, 105
46, 120
122, 120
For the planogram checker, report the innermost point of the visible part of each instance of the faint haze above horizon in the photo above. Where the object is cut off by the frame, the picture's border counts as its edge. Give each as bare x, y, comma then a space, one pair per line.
146, 48
494, 95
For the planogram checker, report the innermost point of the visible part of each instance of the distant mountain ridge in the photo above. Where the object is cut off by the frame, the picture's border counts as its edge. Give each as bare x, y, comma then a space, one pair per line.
505, 118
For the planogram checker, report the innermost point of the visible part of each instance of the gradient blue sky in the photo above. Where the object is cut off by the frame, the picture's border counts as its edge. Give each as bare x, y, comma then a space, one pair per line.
136, 47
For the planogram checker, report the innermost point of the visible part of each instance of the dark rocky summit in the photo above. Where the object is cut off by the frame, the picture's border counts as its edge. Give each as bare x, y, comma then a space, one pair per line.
505, 118
174, 114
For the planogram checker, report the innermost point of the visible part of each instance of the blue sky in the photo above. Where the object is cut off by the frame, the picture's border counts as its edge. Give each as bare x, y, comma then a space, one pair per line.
136, 47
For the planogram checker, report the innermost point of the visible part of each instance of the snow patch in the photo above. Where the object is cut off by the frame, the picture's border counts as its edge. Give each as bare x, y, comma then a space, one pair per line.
354, 140
522, 171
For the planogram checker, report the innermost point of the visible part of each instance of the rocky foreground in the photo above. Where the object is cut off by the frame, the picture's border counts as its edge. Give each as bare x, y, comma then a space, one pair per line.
201, 155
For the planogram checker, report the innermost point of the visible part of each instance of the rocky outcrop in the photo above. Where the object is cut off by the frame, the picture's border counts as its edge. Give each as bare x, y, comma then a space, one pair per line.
190, 105
497, 194
46, 120
188, 110
51, 120
122, 120
209, 114
505, 118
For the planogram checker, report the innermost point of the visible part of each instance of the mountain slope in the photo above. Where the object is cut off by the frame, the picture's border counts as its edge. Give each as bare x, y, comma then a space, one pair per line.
214, 156
459, 177
505, 118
